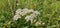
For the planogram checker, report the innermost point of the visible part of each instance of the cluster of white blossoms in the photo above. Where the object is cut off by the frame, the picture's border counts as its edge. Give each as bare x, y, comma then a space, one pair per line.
22, 12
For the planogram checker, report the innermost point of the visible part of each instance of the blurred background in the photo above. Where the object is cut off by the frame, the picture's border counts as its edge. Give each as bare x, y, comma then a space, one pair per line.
49, 13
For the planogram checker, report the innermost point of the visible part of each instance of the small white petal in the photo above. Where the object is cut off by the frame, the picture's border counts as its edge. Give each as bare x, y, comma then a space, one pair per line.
27, 18
36, 12
16, 17
25, 11
18, 11
30, 17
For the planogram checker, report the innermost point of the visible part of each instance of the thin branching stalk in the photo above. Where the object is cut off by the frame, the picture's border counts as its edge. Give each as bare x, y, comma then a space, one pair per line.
15, 5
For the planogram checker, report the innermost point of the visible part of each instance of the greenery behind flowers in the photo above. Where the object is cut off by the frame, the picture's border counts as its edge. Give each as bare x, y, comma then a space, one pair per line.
49, 13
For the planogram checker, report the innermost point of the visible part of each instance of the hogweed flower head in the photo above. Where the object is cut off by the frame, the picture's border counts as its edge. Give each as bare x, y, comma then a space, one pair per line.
31, 16
22, 12
25, 11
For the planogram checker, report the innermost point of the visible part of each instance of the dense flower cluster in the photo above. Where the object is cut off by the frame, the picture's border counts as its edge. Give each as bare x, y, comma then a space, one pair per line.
22, 12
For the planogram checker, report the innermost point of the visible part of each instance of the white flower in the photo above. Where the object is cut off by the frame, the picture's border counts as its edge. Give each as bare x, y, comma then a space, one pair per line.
22, 12
36, 12
30, 17
18, 11
16, 17
25, 11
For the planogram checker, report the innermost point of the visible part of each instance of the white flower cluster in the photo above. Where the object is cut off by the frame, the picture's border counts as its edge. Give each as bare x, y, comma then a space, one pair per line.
22, 12
16, 17
31, 16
